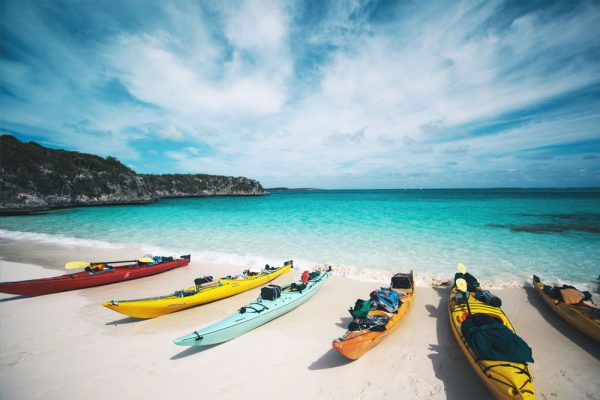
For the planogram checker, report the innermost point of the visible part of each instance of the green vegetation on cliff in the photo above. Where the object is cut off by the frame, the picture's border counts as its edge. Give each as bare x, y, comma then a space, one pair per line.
34, 177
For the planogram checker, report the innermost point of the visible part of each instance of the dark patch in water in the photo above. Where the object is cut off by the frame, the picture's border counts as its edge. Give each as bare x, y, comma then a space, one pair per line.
586, 216
587, 222
548, 228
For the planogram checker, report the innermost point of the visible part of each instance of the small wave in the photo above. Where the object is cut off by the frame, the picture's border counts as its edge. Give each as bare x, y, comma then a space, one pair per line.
429, 279
56, 239
203, 256
381, 276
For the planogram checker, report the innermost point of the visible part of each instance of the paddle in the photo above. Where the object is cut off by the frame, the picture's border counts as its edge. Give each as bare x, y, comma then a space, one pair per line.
461, 285
77, 264
461, 268
84, 264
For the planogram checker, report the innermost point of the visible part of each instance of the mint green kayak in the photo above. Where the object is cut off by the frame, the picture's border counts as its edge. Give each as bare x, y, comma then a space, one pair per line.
274, 302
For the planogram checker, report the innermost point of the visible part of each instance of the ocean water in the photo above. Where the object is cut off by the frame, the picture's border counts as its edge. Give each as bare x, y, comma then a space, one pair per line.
502, 235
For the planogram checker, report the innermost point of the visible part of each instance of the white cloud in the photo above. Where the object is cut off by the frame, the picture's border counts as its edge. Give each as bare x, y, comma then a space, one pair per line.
386, 96
171, 133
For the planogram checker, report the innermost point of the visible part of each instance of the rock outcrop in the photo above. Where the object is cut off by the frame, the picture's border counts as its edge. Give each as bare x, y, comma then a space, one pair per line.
34, 178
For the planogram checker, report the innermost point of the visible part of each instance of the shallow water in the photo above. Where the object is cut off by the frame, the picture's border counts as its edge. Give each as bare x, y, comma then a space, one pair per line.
503, 236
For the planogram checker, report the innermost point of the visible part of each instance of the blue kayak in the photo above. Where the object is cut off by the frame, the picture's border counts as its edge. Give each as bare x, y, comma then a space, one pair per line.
274, 302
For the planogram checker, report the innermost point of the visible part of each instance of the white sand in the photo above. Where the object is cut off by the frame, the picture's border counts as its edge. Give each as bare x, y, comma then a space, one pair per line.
66, 346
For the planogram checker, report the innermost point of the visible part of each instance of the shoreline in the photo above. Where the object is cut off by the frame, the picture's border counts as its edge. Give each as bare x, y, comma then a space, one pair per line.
12, 241
41, 335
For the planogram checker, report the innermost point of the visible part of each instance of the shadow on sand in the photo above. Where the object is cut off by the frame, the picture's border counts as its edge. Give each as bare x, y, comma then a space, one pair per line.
192, 350
449, 364
344, 322
568, 331
331, 359
124, 321
15, 298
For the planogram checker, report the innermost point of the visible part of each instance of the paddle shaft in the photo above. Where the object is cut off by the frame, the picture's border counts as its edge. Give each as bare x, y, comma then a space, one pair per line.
468, 308
111, 262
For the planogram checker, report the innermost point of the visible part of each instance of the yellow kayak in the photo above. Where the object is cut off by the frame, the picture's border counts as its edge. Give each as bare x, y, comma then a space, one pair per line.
505, 379
582, 317
196, 295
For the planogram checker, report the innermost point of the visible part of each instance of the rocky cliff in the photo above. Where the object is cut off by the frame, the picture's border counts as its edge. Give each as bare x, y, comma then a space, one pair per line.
34, 178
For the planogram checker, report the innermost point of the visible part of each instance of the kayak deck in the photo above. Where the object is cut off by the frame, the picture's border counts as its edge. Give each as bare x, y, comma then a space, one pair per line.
353, 344
152, 307
252, 315
580, 316
505, 379
84, 279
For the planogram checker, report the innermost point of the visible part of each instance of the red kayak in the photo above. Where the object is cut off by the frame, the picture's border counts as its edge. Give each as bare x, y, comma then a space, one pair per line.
84, 279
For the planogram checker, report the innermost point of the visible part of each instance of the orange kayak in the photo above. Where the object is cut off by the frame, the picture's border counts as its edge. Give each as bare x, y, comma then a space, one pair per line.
354, 343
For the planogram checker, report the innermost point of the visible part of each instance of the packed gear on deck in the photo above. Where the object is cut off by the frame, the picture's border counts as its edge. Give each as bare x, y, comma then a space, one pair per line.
461, 297
315, 274
361, 309
305, 277
386, 300
383, 299
488, 298
472, 282
401, 281
270, 292
490, 339
567, 294
571, 296
372, 322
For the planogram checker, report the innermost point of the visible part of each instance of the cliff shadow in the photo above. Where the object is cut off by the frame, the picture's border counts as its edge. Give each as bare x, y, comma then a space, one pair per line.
556, 322
449, 363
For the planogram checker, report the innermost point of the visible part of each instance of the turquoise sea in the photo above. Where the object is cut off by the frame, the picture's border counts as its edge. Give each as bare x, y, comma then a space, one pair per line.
502, 235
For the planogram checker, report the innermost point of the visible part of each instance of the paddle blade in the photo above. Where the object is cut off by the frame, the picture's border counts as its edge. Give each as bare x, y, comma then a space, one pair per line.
461, 268
146, 260
461, 284
76, 264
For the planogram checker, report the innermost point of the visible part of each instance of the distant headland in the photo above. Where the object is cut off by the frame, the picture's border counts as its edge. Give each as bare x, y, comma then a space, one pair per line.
280, 189
35, 178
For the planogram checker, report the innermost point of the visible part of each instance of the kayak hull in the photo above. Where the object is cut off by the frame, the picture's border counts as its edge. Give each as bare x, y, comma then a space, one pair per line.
353, 344
576, 315
505, 380
243, 322
157, 306
84, 279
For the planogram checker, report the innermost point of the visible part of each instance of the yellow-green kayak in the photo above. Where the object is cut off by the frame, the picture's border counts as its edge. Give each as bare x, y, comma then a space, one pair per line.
196, 295
580, 316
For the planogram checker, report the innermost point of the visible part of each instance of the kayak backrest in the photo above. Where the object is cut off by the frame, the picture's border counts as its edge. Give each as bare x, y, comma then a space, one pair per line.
204, 279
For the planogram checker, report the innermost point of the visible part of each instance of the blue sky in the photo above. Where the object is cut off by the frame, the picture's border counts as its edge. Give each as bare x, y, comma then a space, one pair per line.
357, 94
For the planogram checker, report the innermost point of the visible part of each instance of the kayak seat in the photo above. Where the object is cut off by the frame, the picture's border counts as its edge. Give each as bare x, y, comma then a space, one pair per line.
204, 279
297, 287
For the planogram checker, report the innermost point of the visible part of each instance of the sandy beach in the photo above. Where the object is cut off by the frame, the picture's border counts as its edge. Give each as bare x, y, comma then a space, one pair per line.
66, 346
